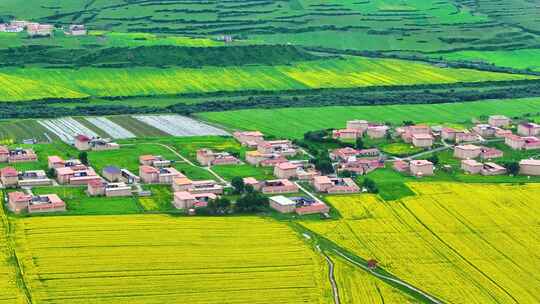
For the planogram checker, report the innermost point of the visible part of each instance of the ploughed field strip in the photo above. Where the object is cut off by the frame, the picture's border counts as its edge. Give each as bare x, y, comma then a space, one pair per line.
111, 128
179, 125
67, 128
164, 259
455, 241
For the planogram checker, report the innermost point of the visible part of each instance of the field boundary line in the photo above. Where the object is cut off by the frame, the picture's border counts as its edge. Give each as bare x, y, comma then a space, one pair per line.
393, 280
11, 246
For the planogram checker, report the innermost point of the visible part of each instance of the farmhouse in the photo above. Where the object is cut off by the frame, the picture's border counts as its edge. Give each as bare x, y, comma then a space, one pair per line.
279, 147
152, 175
401, 166
300, 205
286, 170
9, 177
251, 139
57, 162
377, 131
408, 132
529, 167
76, 175
76, 30
465, 136
187, 200
491, 168
346, 134
100, 188
360, 166
203, 186
501, 133
20, 202
528, 129
33, 178
467, 151
449, 134
335, 185
518, 143
257, 158
112, 173
282, 204
17, 155
421, 167
485, 130
85, 143
207, 157
253, 182
154, 161
490, 153
343, 154
359, 125
499, 121
36, 29
422, 140
278, 186
471, 166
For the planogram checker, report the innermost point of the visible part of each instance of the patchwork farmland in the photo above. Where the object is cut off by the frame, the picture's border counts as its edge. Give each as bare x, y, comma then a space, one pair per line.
161, 256
457, 241
173, 125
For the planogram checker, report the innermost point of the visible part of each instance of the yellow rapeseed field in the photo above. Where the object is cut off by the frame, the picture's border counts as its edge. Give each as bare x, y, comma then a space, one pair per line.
358, 287
462, 243
166, 259
9, 291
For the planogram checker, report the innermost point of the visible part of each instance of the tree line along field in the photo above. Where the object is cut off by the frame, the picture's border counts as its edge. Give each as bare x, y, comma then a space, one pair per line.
348, 72
372, 25
301, 120
526, 59
157, 259
456, 241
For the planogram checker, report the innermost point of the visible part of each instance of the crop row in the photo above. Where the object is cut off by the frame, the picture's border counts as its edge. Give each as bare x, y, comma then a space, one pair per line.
66, 128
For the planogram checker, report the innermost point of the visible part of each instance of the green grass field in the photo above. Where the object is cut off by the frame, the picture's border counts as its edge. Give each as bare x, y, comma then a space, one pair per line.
300, 120
518, 59
81, 204
230, 171
37, 83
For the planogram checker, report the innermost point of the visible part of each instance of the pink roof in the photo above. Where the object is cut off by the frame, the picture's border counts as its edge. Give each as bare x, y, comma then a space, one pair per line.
8, 172
250, 133
81, 137
513, 137
4, 150
182, 181
55, 159
96, 183
421, 162
422, 136
148, 169
322, 179
313, 208
146, 157
286, 166
250, 181
449, 130
19, 197
183, 195
530, 162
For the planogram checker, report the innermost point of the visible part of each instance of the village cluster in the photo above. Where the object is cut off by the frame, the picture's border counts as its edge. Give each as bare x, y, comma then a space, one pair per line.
466, 144
35, 29
291, 174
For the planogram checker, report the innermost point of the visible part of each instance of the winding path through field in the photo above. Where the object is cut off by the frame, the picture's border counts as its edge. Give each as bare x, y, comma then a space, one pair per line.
332, 278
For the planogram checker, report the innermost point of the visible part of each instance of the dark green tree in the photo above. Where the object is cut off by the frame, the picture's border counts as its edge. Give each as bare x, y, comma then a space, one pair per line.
370, 185
83, 157
238, 184
359, 143
512, 168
